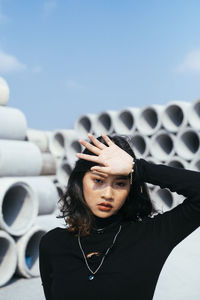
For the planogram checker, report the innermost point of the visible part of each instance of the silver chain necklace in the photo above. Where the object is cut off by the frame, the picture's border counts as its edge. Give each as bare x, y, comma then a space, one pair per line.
91, 277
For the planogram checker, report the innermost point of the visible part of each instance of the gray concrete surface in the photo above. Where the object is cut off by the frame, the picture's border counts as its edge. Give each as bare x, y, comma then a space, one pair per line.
22, 289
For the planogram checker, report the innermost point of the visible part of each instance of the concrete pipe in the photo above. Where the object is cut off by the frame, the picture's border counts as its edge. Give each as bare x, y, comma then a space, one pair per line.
49, 222
151, 187
57, 143
178, 162
164, 199
18, 158
71, 149
104, 122
187, 143
51, 177
18, 206
194, 115
4, 92
28, 252
49, 135
140, 145
60, 190
64, 170
48, 164
60, 140
84, 125
13, 124
125, 121
195, 164
149, 119
46, 192
39, 138
152, 159
175, 116
8, 255
162, 145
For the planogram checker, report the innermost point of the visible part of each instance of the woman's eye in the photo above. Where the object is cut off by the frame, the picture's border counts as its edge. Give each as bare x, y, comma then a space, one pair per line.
96, 180
121, 184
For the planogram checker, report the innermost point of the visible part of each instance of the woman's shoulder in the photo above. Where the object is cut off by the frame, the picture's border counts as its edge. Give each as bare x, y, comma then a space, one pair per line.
53, 235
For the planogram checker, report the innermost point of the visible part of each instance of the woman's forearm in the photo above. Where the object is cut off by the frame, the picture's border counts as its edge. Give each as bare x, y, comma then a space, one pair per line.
184, 182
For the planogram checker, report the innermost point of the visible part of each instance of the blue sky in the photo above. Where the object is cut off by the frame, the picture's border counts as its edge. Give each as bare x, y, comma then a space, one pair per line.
65, 58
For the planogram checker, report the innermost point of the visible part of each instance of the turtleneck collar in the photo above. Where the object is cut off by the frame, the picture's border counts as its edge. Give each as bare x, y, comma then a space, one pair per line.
104, 223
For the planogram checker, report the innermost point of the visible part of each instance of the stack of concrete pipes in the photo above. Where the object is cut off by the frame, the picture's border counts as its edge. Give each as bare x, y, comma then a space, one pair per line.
168, 134
32, 179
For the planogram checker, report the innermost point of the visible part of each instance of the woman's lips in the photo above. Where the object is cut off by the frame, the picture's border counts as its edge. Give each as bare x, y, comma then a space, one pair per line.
104, 206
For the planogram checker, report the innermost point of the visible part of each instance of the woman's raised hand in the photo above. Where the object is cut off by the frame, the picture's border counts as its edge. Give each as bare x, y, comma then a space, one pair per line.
111, 159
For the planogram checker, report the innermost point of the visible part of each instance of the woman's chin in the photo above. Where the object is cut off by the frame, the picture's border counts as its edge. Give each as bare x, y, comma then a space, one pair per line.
103, 214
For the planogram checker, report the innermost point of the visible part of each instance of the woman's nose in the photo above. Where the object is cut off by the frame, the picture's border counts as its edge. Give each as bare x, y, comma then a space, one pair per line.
108, 193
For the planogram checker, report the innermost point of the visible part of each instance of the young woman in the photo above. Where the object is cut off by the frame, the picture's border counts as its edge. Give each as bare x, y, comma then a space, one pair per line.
114, 246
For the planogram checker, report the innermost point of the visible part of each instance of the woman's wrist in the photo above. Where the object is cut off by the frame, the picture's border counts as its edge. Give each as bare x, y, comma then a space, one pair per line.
131, 168
131, 171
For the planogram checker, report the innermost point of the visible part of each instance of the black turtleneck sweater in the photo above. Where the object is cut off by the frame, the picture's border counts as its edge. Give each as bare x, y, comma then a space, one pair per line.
132, 267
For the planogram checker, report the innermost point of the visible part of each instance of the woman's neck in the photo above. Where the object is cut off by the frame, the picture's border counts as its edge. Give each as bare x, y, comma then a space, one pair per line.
103, 223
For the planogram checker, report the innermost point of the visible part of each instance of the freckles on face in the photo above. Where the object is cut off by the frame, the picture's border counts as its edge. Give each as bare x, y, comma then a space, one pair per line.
105, 194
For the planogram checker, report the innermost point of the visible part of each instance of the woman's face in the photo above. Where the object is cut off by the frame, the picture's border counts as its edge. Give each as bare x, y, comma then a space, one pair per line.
105, 194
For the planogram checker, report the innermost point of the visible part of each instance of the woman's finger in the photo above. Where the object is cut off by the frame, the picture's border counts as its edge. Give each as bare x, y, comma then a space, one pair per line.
92, 158
105, 170
107, 140
90, 147
96, 142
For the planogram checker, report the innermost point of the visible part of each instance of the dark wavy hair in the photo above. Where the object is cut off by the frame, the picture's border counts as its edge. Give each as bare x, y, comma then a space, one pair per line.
74, 209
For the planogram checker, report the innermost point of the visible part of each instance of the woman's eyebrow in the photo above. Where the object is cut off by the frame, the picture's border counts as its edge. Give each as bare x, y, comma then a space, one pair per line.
123, 177
99, 174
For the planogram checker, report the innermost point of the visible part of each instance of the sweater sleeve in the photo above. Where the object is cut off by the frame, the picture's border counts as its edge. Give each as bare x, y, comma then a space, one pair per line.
45, 268
178, 223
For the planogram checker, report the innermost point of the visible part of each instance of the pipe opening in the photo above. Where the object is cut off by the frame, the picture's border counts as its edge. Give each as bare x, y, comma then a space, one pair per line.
17, 207
174, 117
59, 142
176, 164
164, 143
60, 191
84, 125
127, 119
4, 246
190, 143
149, 119
165, 197
139, 144
63, 173
104, 121
32, 251
195, 116
66, 170
75, 147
